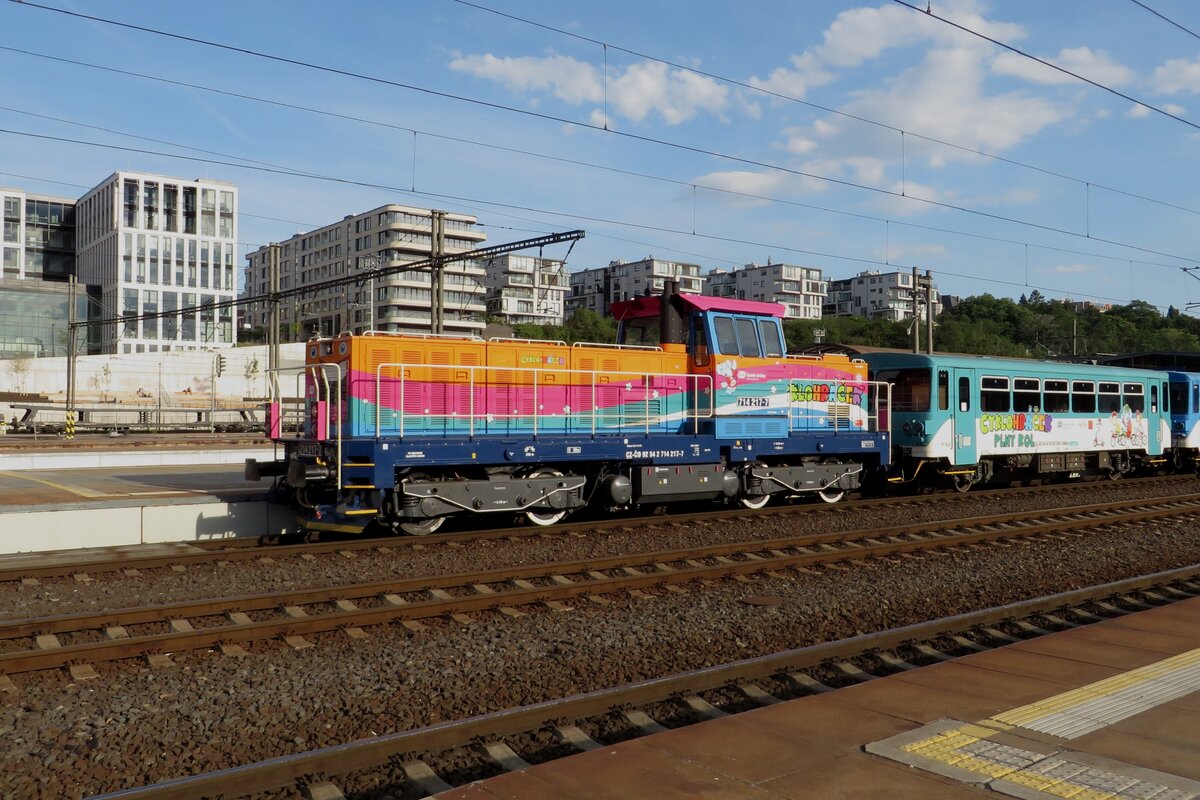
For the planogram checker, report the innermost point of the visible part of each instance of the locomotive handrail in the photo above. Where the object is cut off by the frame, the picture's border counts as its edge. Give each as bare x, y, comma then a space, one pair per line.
468, 336
319, 373
644, 379
611, 345
501, 339
877, 386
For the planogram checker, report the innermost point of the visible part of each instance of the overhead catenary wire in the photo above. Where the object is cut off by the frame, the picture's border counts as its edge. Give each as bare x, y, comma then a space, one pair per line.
686, 147
777, 95
928, 12
585, 125
551, 212
1166, 19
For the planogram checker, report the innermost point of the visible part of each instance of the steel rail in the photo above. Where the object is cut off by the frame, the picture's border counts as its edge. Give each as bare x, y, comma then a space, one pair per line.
67, 623
50, 567
300, 624
285, 771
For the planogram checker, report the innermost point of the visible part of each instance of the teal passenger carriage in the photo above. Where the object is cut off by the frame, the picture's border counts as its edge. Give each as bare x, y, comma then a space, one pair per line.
972, 419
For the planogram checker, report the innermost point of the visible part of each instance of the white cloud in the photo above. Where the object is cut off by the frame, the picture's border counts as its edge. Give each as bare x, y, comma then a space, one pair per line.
1137, 111
1173, 108
1177, 76
640, 90
863, 34
568, 79
1094, 65
1074, 269
945, 96
762, 184
796, 81
909, 203
675, 94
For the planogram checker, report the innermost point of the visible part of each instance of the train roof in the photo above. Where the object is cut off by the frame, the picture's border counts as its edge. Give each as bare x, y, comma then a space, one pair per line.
1005, 365
648, 306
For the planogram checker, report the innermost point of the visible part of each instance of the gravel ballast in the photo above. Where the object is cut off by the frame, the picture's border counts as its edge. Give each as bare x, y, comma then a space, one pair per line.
136, 725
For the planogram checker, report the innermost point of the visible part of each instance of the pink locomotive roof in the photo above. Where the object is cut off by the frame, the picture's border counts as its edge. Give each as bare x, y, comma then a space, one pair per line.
648, 305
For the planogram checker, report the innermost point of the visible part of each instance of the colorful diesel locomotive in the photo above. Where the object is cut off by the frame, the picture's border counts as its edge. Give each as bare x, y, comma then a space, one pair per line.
697, 401
975, 419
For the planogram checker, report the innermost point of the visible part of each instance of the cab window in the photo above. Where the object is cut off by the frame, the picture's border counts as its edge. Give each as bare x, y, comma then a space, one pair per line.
700, 345
747, 337
771, 341
640, 331
1179, 397
727, 343
943, 390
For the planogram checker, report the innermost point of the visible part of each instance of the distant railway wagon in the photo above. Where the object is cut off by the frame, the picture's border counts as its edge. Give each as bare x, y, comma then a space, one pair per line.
1184, 407
697, 401
977, 419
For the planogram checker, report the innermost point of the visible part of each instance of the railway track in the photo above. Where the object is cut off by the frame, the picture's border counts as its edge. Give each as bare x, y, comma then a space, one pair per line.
79, 641
565, 719
83, 566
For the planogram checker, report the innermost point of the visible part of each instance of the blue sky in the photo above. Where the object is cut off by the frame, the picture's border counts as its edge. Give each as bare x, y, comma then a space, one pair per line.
1016, 193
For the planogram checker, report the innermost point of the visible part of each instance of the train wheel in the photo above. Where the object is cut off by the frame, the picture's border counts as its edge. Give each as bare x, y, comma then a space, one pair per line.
422, 527
831, 495
754, 503
413, 527
545, 517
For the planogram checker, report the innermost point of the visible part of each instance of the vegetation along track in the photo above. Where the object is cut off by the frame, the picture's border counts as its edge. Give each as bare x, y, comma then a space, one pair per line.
124, 560
36, 644
405, 758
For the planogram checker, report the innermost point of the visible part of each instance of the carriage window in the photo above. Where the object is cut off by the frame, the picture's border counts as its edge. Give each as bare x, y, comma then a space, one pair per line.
1055, 399
943, 390
1179, 397
964, 394
1109, 400
1026, 396
747, 338
1195, 398
1153, 399
993, 395
910, 388
726, 337
772, 344
1135, 397
1083, 397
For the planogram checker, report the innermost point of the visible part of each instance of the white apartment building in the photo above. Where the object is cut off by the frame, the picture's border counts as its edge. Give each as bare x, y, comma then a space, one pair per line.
388, 236
879, 294
526, 289
597, 289
801, 290
152, 244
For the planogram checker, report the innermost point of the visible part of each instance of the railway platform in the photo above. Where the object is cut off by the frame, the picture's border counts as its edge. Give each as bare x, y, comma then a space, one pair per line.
1107, 710
160, 497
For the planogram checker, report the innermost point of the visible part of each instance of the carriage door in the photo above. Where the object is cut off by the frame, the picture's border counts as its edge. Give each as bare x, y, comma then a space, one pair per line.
966, 411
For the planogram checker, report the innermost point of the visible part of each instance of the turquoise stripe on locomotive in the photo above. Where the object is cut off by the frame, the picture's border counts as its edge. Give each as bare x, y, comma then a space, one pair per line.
972, 419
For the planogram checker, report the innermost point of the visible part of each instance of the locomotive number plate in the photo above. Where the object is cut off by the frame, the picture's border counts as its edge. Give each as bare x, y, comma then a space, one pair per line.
308, 448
